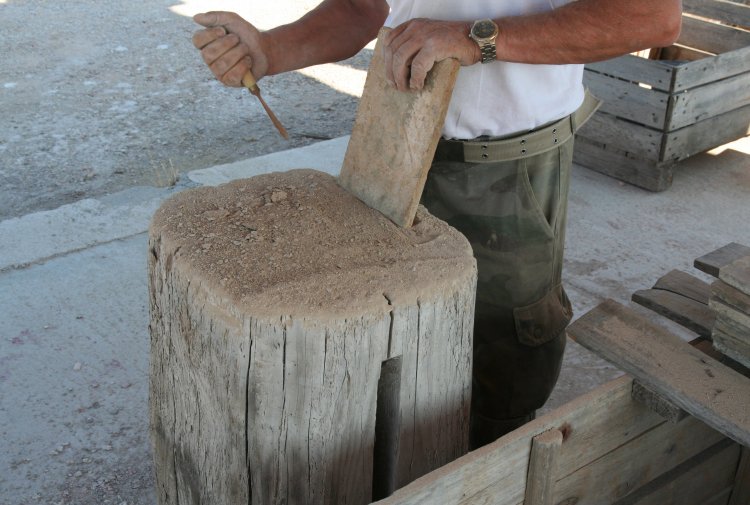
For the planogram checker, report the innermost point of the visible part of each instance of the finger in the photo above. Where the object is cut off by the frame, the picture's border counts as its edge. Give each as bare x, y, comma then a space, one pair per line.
219, 47
420, 66
215, 18
202, 38
401, 66
405, 45
233, 76
228, 60
389, 49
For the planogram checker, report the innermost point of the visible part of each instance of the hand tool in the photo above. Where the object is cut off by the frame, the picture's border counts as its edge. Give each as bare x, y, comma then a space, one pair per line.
248, 80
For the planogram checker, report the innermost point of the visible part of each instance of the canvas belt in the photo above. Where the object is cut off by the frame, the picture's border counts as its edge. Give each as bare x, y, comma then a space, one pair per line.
518, 146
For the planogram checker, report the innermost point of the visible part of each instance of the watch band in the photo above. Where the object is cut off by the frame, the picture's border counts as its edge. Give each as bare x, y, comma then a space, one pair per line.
489, 52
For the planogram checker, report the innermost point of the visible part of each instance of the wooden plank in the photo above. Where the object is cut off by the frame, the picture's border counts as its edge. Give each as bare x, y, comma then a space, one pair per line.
542, 475
728, 295
711, 37
394, 139
729, 13
697, 104
712, 262
681, 54
669, 366
654, 73
729, 316
657, 403
620, 165
695, 316
741, 491
641, 141
696, 482
595, 424
628, 100
696, 73
637, 463
735, 349
685, 284
707, 134
737, 274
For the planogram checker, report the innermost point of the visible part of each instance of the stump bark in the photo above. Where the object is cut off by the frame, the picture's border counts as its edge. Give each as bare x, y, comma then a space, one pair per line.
290, 324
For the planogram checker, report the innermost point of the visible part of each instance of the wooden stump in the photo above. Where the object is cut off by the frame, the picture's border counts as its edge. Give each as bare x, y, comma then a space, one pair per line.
289, 324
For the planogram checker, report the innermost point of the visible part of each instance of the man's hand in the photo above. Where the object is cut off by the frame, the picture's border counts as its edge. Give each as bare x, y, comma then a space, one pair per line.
230, 46
413, 48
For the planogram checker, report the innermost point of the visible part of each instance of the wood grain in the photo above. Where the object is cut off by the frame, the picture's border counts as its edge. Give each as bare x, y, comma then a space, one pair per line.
540, 483
693, 315
737, 274
272, 401
394, 138
682, 283
669, 366
714, 261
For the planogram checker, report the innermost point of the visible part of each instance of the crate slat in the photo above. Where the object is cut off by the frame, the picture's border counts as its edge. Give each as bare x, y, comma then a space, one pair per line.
654, 73
709, 479
706, 134
628, 100
669, 366
619, 164
703, 102
696, 73
623, 477
639, 140
727, 12
711, 37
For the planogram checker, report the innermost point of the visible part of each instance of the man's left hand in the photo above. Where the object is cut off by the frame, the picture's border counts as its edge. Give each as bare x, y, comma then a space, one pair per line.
413, 48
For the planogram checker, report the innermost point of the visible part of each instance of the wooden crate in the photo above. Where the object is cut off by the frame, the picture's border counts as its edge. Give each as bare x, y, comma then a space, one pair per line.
612, 449
669, 104
677, 434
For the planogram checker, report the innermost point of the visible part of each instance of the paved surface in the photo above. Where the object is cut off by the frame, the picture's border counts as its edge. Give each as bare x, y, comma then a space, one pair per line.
74, 321
101, 95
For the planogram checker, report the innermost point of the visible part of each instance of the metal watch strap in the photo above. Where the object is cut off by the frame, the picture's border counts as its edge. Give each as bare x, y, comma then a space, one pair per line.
489, 52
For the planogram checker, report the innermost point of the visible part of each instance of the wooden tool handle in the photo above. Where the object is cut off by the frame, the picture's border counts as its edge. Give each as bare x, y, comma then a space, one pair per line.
248, 80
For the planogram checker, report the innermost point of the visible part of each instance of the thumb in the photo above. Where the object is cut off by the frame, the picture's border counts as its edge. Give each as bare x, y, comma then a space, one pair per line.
215, 18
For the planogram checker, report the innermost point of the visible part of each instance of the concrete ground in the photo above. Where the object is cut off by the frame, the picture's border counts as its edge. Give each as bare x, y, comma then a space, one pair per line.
74, 321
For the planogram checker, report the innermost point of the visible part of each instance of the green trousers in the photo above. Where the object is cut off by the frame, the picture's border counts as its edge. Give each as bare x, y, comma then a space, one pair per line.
514, 215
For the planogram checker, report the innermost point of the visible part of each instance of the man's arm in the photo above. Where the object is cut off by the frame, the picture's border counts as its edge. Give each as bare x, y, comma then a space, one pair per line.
334, 30
578, 32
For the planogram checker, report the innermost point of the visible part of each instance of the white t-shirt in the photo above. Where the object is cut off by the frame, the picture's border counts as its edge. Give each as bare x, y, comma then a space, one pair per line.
499, 98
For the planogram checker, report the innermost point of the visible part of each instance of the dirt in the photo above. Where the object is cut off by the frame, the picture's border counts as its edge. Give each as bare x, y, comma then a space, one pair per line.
99, 96
297, 243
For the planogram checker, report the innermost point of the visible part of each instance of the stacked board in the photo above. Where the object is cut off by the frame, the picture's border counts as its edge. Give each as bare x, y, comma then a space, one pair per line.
730, 300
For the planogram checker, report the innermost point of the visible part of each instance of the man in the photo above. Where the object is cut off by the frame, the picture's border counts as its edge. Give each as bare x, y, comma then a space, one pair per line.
501, 172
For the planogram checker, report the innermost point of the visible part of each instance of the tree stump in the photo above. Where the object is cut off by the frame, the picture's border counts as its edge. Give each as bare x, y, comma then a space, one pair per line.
304, 349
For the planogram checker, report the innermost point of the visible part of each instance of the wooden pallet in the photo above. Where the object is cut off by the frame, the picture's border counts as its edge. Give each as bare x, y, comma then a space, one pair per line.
669, 104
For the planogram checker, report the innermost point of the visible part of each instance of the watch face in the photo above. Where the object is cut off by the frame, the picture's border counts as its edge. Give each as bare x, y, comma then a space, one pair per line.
484, 29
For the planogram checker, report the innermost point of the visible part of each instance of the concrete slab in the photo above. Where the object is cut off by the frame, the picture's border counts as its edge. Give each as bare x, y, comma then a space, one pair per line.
326, 156
74, 379
42, 235
73, 325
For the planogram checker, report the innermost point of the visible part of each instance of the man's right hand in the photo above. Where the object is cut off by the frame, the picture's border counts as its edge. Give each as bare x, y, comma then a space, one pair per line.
230, 46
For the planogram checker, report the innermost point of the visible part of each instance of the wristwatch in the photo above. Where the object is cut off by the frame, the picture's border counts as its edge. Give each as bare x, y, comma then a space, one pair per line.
484, 33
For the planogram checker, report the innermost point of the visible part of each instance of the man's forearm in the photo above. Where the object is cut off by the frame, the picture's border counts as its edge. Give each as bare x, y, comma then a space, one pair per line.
589, 30
334, 30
